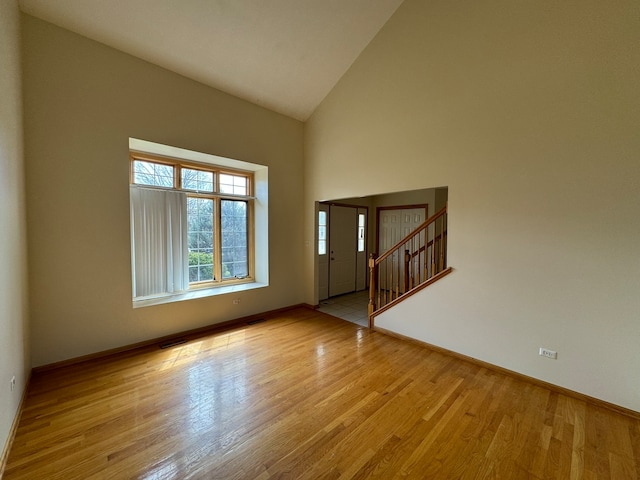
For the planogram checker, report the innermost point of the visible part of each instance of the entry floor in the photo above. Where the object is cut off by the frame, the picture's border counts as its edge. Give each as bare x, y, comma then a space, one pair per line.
351, 306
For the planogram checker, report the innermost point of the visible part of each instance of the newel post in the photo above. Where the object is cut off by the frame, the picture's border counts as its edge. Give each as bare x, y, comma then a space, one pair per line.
373, 286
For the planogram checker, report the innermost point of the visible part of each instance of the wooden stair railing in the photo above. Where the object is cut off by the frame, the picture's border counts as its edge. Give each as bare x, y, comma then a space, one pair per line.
414, 262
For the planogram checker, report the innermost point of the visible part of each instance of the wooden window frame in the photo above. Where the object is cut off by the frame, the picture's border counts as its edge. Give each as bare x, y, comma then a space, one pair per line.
217, 198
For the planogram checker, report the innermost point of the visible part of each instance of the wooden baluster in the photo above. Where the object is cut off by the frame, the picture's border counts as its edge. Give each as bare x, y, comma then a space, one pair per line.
417, 267
373, 280
392, 282
442, 242
407, 265
389, 279
418, 270
380, 282
398, 273
413, 281
433, 249
416, 259
383, 282
425, 258
434, 256
386, 280
419, 262
391, 269
446, 248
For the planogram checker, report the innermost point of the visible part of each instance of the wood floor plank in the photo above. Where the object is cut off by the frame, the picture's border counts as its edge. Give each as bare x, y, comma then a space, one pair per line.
306, 395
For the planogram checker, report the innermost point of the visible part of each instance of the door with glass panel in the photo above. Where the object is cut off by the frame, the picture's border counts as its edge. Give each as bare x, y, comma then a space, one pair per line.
342, 249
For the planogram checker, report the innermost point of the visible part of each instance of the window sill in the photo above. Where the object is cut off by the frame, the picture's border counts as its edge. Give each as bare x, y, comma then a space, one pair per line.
195, 293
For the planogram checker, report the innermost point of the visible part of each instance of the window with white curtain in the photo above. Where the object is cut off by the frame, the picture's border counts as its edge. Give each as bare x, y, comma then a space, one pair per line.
190, 226
159, 241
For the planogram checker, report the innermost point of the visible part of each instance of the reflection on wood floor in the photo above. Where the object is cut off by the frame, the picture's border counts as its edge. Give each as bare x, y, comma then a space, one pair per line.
307, 395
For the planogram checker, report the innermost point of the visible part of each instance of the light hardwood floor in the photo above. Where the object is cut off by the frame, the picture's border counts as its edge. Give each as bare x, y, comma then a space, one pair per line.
306, 395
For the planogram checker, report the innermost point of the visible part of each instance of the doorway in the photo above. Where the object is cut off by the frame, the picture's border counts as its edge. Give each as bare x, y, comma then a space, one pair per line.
342, 249
367, 241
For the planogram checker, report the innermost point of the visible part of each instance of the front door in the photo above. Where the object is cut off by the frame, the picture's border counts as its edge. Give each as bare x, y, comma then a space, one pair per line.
343, 236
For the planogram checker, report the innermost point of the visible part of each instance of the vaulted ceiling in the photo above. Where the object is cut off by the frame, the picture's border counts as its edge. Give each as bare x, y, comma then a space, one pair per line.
285, 55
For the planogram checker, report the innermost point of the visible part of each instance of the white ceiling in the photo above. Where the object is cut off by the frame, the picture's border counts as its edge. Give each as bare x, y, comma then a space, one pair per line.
285, 55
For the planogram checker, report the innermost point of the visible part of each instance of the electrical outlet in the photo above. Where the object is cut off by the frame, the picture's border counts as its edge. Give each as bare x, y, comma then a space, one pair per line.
236, 301
13, 383
545, 352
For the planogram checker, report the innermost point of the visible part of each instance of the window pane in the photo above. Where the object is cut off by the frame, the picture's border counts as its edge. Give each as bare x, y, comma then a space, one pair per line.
322, 232
234, 238
200, 232
233, 184
155, 174
361, 239
322, 240
197, 180
322, 247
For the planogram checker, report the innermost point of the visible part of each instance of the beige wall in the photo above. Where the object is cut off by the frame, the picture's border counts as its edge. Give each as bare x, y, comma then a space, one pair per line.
14, 331
525, 110
83, 101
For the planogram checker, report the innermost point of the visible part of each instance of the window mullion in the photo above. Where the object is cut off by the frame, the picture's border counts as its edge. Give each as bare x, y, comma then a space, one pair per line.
217, 234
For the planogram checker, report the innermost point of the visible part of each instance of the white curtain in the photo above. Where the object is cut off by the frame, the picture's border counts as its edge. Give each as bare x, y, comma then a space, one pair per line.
159, 249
